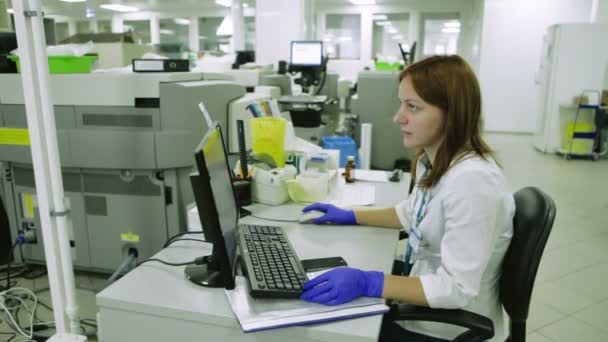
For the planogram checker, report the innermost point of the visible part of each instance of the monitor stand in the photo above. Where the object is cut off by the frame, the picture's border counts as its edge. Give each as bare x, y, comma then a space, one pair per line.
243, 212
207, 275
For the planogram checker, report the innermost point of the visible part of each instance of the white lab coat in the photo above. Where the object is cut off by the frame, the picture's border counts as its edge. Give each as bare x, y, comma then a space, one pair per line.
466, 229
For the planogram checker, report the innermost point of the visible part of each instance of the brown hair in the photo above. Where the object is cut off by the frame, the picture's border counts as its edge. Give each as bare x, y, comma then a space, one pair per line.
448, 83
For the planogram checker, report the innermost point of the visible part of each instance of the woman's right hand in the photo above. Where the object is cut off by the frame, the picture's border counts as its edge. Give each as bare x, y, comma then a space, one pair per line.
333, 214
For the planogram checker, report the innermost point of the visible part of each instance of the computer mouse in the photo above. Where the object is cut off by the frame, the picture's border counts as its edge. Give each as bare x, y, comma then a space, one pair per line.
308, 218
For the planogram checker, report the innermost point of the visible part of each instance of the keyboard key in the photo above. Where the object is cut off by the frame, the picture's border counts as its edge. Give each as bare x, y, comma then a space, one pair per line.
274, 265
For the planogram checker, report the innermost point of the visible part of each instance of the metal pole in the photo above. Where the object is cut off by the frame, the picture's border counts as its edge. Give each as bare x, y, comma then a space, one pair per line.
45, 158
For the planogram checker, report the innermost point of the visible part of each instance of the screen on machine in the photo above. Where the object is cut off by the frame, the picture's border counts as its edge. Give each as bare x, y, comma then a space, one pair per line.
306, 53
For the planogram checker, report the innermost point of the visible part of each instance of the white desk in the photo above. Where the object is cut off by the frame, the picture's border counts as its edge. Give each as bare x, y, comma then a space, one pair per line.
156, 303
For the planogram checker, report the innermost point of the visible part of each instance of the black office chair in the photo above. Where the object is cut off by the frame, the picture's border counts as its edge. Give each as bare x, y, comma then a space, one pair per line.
532, 223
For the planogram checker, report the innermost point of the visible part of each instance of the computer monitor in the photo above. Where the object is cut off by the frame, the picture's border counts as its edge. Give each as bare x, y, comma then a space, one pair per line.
243, 57
307, 59
217, 210
307, 53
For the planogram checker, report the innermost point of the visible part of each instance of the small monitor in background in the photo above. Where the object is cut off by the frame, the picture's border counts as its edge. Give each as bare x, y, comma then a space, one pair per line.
8, 43
243, 57
307, 53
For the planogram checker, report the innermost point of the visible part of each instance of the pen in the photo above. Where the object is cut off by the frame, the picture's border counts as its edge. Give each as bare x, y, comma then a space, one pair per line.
242, 149
266, 108
258, 110
252, 110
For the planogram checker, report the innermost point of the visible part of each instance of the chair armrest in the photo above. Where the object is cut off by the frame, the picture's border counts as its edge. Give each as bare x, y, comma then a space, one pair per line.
480, 328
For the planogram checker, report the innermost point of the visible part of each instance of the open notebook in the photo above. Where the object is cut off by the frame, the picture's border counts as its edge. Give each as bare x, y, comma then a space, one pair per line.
263, 314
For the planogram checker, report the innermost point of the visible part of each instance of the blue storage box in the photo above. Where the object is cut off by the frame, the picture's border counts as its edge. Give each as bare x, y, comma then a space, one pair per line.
346, 145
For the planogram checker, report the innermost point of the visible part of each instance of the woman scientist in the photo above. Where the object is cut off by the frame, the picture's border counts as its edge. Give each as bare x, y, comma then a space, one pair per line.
459, 215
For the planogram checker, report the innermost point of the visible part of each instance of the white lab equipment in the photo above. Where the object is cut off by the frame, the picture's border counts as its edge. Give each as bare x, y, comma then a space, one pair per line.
274, 92
248, 78
309, 186
573, 60
269, 186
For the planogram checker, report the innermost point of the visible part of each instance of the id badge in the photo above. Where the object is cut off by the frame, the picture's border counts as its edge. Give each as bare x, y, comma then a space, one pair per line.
414, 238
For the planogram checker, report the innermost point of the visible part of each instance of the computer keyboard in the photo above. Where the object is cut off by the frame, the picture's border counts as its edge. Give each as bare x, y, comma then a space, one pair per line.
269, 262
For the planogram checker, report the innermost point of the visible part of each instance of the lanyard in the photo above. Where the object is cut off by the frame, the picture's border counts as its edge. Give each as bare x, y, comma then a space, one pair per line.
408, 250
416, 220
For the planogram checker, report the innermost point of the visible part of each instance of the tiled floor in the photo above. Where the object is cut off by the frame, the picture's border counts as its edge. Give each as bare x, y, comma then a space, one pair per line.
570, 300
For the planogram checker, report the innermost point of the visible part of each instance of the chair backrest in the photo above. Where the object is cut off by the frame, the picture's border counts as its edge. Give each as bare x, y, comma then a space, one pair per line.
532, 223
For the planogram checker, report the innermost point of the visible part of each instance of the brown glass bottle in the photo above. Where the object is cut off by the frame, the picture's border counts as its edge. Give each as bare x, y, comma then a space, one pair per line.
349, 169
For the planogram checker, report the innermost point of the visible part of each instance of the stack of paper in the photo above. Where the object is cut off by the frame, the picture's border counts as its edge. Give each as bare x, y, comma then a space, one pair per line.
263, 314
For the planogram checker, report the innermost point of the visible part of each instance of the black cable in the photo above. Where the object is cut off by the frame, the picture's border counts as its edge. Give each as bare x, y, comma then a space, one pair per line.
33, 273
322, 83
8, 267
169, 241
16, 273
44, 305
166, 262
87, 321
176, 240
41, 326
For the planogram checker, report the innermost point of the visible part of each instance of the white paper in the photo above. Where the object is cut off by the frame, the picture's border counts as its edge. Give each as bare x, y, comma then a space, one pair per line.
352, 194
371, 175
266, 313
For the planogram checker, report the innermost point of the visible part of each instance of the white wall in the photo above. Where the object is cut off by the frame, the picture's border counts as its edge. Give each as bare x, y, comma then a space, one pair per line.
601, 16
599, 11
510, 53
470, 36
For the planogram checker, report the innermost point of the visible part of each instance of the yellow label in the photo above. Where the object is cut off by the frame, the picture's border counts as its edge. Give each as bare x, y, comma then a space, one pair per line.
129, 237
14, 136
211, 141
28, 205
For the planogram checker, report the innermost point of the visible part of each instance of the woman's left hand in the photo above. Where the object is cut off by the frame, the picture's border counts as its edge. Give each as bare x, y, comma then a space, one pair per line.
342, 285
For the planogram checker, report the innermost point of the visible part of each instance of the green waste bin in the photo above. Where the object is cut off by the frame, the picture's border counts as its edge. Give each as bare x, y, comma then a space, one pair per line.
65, 64
388, 66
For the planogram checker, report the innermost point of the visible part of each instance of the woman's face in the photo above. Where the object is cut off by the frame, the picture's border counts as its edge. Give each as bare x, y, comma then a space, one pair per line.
419, 121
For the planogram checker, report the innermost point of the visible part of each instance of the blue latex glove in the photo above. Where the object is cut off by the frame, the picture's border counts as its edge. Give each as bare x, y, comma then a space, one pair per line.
343, 284
333, 214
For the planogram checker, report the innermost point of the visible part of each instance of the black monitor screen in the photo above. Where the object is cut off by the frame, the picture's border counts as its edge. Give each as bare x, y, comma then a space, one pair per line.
219, 176
307, 53
217, 210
